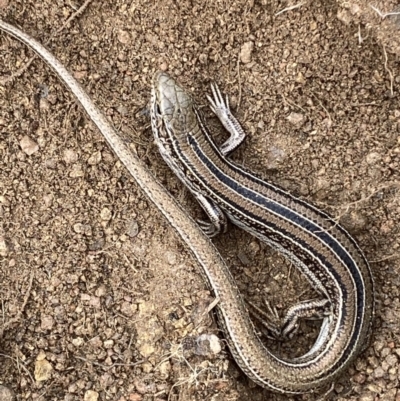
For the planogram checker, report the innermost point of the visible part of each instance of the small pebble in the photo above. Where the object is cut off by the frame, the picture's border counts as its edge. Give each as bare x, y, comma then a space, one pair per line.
91, 395
132, 228
94, 159
207, 344
47, 322
43, 370
105, 214
28, 145
297, 119
372, 157
6, 393
70, 156
3, 246
245, 52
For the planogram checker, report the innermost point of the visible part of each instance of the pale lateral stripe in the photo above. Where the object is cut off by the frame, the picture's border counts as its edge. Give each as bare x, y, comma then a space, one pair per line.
304, 268
334, 359
283, 217
362, 301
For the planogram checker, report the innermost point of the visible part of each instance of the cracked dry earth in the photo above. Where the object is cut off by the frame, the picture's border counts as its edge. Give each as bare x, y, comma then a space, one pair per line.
99, 298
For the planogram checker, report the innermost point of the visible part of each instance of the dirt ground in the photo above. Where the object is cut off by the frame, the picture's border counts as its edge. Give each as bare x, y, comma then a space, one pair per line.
99, 298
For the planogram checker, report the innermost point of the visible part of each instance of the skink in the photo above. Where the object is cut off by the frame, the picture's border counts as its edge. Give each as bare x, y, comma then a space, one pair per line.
324, 252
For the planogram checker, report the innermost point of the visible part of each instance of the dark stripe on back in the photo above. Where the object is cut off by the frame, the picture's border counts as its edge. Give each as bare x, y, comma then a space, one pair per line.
309, 226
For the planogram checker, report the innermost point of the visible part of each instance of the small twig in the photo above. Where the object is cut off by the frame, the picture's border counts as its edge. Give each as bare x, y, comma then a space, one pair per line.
240, 84
360, 38
74, 15
21, 70
291, 103
373, 103
392, 256
325, 109
109, 366
289, 8
347, 206
389, 71
193, 378
21, 310
19, 364
384, 15
372, 194
211, 306
325, 395
3, 314
18, 73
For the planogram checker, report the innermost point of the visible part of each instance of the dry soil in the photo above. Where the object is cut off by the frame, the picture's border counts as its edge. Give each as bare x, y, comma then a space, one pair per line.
99, 298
